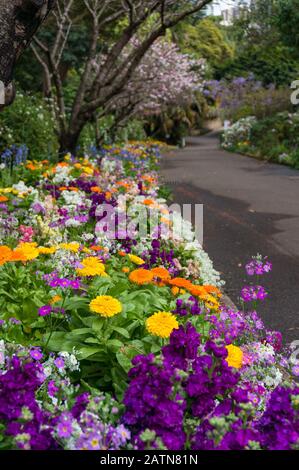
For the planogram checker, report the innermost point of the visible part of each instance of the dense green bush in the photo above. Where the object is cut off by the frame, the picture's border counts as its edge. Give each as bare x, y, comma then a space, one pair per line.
29, 121
269, 65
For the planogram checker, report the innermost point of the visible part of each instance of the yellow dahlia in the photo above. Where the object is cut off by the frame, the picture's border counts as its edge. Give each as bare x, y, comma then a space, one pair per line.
162, 324
141, 276
136, 260
91, 266
105, 305
235, 356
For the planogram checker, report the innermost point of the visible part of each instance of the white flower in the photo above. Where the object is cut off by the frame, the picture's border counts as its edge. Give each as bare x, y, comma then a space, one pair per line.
72, 223
47, 371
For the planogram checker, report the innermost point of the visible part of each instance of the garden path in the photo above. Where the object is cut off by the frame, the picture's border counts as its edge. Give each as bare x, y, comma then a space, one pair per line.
250, 207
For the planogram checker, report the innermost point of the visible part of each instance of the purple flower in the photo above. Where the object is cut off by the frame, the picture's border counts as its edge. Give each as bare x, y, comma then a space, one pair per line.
36, 354
59, 363
45, 310
14, 321
64, 429
250, 293
52, 388
183, 347
18, 387
38, 208
258, 267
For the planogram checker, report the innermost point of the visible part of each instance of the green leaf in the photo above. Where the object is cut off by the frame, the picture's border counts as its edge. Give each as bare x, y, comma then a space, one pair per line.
80, 332
114, 345
75, 303
91, 340
124, 361
86, 351
97, 325
121, 331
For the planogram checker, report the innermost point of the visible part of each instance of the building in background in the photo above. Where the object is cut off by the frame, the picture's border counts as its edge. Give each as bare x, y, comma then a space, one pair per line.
229, 15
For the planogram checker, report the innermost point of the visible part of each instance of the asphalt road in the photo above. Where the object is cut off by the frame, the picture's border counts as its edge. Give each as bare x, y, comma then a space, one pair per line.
250, 207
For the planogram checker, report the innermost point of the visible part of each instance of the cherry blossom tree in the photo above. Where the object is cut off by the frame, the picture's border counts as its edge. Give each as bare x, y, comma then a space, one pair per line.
147, 20
164, 77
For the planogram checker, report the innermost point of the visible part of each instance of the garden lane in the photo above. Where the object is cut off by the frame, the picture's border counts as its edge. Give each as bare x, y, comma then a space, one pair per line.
250, 207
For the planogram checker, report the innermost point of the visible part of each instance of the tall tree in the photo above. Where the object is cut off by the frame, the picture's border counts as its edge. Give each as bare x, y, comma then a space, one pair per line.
105, 73
19, 20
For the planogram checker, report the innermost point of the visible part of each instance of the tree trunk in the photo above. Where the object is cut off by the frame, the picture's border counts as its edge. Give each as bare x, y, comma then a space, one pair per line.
19, 20
68, 143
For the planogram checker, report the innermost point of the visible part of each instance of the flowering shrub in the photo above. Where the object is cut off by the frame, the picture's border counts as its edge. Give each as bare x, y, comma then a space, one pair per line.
274, 138
245, 96
116, 337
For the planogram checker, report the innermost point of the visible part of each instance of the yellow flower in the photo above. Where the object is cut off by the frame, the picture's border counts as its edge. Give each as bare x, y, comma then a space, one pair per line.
55, 299
105, 305
211, 302
136, 260
235, 356
91, 267
73, 246
87, 170
29, 250
162, 324
46, 250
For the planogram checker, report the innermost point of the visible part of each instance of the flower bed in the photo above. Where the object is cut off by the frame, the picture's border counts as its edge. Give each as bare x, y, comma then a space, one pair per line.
273, 138
124, 342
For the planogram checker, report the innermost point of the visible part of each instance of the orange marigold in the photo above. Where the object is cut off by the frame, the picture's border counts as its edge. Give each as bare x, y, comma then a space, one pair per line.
148, 202
141, 276
213, 290
161, 273
5, 254
3, 199
180, 282
18, 255
198, 291
95, 189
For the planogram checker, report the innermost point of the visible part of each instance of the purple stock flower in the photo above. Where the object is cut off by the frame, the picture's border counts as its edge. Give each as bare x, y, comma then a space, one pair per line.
183, 347
250, 293
258, 267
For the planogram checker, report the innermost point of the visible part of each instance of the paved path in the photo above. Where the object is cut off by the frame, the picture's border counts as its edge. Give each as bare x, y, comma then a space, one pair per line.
250, 207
